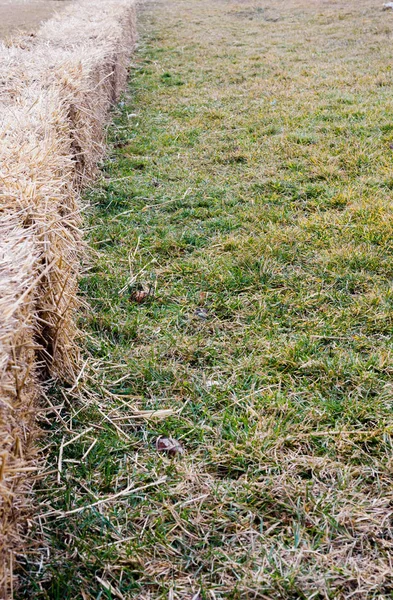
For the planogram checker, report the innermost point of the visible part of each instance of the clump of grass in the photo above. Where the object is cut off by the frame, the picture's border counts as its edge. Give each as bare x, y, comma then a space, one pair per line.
254, 199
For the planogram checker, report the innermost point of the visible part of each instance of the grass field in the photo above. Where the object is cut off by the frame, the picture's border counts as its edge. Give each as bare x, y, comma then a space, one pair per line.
26, 15
241, 302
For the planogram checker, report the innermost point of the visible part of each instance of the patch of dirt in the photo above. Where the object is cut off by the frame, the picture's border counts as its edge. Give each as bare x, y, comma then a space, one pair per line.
26, 15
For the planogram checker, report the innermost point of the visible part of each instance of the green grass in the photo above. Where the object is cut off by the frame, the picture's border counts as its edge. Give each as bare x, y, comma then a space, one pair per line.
248, 186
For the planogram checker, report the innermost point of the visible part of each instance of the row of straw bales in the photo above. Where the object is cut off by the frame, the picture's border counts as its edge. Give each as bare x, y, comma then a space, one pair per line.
56, 88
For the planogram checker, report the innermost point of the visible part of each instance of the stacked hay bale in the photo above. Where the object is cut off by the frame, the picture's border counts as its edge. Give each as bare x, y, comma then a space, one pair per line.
55, 92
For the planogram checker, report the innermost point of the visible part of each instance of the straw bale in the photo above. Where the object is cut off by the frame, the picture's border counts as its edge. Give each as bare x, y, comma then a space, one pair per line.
18, 381
55, 92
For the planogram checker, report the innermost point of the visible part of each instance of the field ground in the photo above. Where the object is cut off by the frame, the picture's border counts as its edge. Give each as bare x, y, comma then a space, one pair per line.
247, 199
26, 15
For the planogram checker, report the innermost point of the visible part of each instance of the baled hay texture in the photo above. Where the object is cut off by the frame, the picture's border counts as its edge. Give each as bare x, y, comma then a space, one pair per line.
18, 386
55, 92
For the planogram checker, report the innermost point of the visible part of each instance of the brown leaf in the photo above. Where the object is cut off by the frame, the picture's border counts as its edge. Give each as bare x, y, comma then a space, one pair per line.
169, 446
141, 294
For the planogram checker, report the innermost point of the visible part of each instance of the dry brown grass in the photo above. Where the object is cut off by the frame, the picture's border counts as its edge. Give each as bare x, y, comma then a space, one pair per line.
56, 90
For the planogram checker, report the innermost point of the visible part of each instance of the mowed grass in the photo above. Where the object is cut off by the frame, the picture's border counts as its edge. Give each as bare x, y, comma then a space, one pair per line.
248, 188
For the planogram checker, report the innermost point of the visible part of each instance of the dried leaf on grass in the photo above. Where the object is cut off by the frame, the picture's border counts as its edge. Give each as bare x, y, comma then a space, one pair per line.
170, 446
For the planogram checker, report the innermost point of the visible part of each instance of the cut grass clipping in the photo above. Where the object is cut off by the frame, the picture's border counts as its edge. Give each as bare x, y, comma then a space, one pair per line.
241, 304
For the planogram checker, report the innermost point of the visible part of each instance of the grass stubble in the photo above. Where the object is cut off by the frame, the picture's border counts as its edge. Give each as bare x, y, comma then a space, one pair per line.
247, 187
